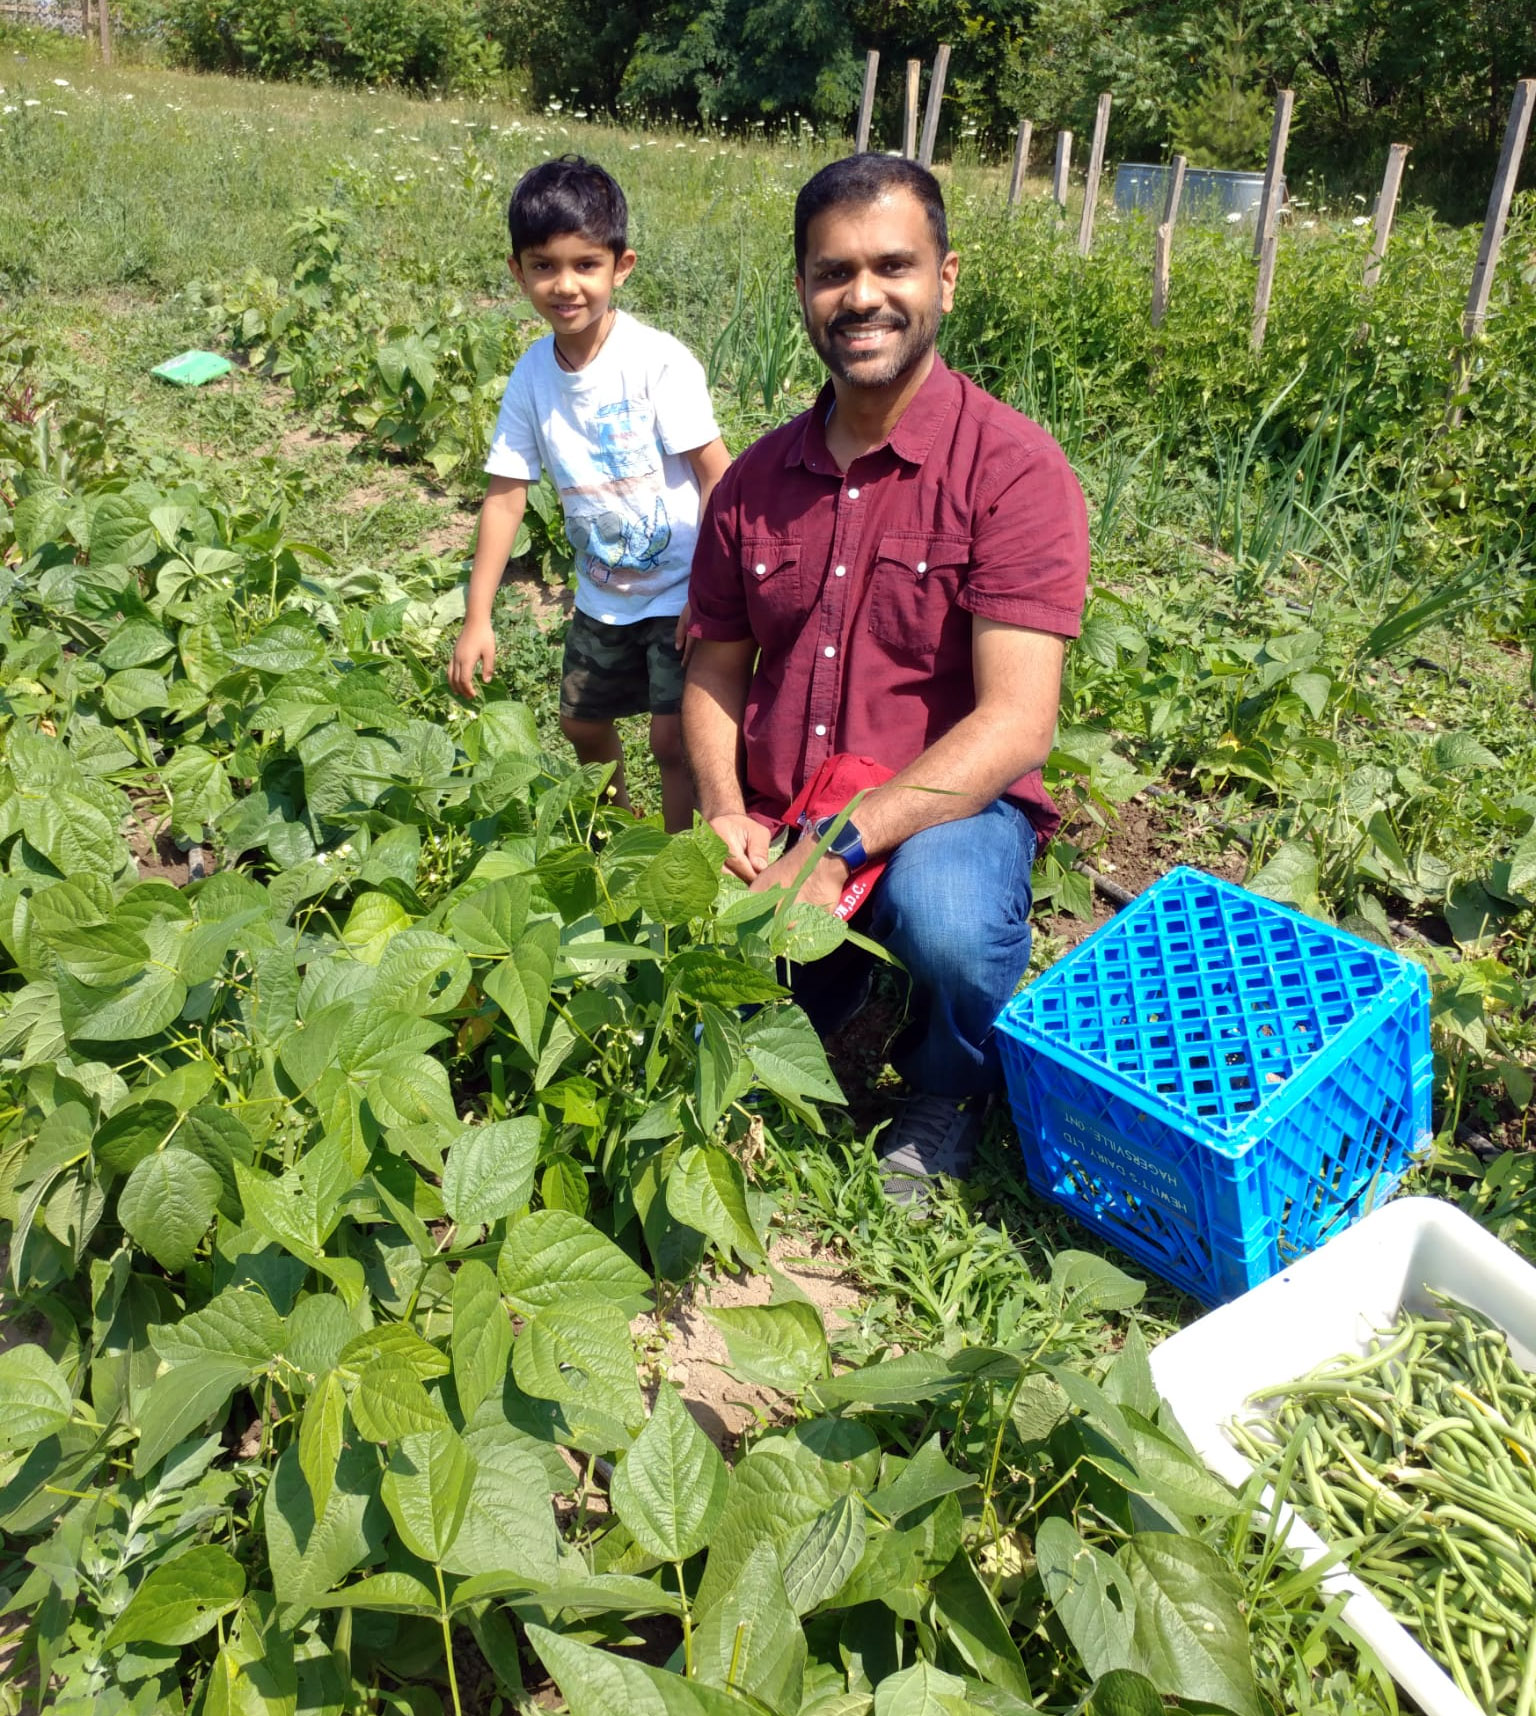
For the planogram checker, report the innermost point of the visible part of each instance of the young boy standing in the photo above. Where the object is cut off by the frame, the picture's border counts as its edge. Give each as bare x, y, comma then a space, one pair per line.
619, 415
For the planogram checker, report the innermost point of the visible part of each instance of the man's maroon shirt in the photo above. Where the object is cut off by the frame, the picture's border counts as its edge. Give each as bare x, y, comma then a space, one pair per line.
859, 586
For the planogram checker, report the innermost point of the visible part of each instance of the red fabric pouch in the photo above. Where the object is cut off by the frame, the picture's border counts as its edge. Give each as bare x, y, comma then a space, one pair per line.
828, 791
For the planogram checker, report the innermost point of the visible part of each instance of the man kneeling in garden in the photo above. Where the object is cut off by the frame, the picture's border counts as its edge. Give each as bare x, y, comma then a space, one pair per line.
893, 574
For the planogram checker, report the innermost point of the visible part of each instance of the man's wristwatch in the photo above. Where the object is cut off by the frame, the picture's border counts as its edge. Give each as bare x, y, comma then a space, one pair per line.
848, 844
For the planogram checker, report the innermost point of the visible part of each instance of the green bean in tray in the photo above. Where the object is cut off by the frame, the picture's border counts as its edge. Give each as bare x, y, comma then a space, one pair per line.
1417, 1462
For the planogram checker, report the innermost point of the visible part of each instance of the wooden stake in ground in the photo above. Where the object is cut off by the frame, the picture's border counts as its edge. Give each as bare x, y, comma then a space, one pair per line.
909, 111
935, 96
1386, 208
867, 103
1063, 167
1162, 250
1274, 170
104, 15
1095, 171
1269, 216
1020, 162
1493, 237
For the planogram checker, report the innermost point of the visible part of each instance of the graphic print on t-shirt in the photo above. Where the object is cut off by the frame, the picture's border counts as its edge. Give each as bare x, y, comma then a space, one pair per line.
617, 521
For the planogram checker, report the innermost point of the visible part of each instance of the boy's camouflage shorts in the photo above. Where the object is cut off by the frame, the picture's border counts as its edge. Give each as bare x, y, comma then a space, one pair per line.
610, 671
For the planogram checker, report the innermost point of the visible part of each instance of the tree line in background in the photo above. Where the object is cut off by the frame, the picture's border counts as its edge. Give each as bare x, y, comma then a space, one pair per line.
1185, 75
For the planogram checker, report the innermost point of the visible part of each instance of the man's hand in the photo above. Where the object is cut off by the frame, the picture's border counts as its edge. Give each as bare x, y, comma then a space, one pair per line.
823, 887
476, 648
746, 844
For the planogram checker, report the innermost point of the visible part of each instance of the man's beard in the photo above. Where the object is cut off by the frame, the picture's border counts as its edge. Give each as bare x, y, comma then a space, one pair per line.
917, 338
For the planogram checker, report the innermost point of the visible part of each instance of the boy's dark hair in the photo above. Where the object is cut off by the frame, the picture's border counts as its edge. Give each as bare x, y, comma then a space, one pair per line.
859, 180
568, 194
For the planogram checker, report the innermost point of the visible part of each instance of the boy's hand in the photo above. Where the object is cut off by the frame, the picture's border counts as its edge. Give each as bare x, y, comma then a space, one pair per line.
476, 648
680, 638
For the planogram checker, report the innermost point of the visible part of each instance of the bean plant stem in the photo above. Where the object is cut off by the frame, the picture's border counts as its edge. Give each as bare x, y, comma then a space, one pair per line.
682, 1592
442, 1615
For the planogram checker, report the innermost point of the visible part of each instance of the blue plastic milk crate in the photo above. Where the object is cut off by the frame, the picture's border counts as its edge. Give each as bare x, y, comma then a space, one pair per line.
1218, 1084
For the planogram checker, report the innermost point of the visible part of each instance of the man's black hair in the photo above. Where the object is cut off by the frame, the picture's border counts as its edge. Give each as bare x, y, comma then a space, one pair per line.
859, 180
568, 194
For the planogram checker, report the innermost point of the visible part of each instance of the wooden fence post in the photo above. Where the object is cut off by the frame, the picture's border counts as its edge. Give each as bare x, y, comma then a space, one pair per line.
85, 22
1020, 162
1269, 216
1162, 250
1095, 171
909, 111
1386, 208
936, 83
1493, 237
867, 102
1063, 167
104, 14
1274, 169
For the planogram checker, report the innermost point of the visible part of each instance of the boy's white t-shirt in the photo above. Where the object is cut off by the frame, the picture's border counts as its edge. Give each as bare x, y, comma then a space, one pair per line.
612, 435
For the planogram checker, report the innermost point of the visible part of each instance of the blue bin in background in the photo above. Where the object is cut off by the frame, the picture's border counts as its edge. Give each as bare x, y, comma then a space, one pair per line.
1210, 193
1216, 1083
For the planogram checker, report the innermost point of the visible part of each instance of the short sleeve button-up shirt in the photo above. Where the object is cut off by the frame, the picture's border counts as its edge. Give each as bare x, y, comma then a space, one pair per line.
859, 586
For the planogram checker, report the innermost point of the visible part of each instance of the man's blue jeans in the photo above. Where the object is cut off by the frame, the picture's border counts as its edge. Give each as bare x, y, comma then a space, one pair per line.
953, 906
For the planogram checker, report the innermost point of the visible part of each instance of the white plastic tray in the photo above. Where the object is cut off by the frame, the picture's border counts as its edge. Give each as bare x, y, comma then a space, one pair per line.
1333, 1302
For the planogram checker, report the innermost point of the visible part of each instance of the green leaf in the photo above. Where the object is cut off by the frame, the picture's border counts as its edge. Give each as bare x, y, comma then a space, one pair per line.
751, 1640
237, 1326
385, 1593
1522, 865
1121, 1693
199, 789
167, 1204
906, 1381
707, 974
974, 1624
509, 1523
776, 1492
181, 1599
1291, 877
490, 1171
520, 985
1189, 1636
321, 1434
680, 883
669, 1489
924, 1478
921, 1690
707, 1190
135, 644
131, 692
1082, 1283
482, 1336
1092, 1596
179, 1402
776, 1346
71, 833
141, 1008
309, 1555
597, 1683
551, 1257
254, 1675
35, 1397
99, 954
489, 922
426, 1490
390, 1402
819, 1559
723, 1073
580, 1352
788, 1058
399, 1344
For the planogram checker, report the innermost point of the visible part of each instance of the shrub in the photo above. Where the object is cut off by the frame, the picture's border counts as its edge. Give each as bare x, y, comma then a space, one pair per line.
416, 44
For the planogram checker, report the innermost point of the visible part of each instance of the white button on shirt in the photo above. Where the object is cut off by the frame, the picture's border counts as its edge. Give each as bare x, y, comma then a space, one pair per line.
853, 494
821, 732
839, 571
760, 569
829, 651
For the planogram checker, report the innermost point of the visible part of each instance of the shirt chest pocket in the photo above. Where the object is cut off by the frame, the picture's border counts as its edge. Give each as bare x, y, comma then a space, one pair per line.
913, 586
773, 581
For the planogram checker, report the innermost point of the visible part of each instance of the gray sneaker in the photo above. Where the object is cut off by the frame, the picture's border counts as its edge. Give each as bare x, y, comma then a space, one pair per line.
935, 1135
